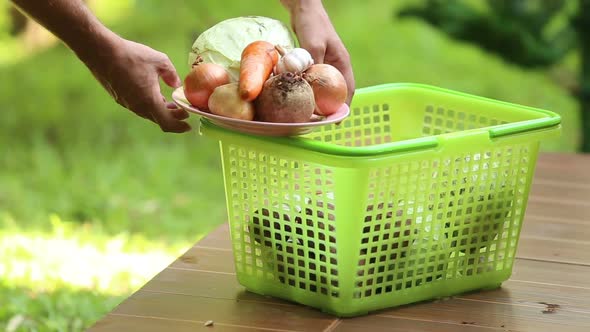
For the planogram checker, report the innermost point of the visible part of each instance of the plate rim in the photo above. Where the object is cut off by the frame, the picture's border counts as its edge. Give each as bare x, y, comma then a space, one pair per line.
179, 99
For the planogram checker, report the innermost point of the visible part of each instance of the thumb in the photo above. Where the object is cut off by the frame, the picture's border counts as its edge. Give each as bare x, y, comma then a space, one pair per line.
168, 73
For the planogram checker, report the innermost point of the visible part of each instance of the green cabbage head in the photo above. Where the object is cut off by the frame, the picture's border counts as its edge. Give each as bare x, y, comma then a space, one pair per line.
223, 43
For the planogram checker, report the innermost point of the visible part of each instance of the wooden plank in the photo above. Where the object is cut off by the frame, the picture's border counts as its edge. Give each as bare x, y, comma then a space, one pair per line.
557, 210
508, 316
565, 174
563, 160
530, 289
563, 167
192, 282
228, 312
489, 313
205, 259
195, 283
554, 250
579, 204
532, 294
219, 238
401, 324
574, 276
528, 297
548, 189
117, 323
556, 229
561, 170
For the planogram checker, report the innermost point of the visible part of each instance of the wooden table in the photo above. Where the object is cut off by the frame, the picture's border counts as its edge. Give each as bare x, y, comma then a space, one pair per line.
548, 291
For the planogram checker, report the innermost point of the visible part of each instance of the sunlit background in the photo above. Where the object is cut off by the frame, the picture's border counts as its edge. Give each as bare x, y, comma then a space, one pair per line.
94, 201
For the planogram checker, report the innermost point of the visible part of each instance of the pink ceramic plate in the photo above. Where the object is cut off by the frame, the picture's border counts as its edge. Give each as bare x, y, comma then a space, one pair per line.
258, 127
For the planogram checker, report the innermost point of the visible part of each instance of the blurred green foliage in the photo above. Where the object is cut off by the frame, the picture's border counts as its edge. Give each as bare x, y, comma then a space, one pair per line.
67, 149
62, 310
528, 33
517, 30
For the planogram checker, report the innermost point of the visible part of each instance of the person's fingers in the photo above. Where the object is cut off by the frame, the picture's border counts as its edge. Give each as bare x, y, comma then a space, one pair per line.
179, 114
169, 124
142, 110
151, 117
341, 61
351, 86
346, 71
157, 109
145, 116
171, 105
168, 73
317, 52
315, 47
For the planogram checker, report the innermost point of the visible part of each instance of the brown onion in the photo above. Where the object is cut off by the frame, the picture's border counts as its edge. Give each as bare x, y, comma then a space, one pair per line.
200, 82
329, 87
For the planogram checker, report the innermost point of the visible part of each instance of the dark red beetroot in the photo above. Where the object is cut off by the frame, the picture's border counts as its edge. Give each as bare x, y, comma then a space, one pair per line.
285, 98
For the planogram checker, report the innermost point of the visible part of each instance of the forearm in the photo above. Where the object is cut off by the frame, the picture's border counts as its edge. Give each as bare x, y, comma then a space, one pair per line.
72, 22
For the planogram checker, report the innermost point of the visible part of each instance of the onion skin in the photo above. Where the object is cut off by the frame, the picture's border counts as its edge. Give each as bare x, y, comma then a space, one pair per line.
200, 82
329, 88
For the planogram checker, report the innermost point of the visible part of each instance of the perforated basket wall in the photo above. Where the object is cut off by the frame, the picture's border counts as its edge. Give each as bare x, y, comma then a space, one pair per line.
354, 233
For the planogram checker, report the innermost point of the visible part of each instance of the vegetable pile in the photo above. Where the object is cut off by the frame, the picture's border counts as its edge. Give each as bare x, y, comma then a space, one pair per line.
272, 81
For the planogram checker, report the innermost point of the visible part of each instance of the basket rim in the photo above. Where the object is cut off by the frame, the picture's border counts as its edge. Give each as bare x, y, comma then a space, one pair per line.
549, 121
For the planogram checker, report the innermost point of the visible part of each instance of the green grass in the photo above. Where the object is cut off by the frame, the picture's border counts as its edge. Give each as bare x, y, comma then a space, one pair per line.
65, 309
86, 183
47, 287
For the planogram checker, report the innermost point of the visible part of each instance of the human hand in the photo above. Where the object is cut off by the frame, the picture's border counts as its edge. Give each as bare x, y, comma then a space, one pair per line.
316, 34
130, 72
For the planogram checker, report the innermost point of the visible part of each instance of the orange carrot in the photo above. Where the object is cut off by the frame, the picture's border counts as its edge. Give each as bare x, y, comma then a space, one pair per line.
256, 64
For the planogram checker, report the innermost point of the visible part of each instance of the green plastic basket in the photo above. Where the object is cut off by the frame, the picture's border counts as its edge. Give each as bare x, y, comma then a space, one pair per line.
419, 194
